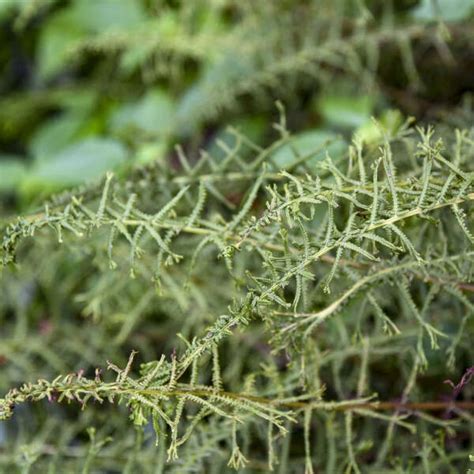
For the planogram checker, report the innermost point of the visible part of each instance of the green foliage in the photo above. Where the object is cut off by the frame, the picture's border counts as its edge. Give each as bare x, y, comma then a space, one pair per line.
445, 9
383, 253
289, 293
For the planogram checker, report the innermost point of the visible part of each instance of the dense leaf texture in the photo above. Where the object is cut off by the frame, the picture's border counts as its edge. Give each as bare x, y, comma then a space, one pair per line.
290, 289
334, 268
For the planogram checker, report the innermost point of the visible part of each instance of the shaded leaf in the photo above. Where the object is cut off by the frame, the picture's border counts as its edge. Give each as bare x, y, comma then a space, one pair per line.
345, 111
152, 114
12, 171
81, 162
448, 10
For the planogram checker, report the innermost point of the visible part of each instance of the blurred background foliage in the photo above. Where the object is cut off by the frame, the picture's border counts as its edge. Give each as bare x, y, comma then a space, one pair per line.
88, 86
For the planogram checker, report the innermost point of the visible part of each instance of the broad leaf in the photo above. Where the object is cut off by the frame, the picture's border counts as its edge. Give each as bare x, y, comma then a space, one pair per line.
83, 161
152, 114
12, 171
447, 10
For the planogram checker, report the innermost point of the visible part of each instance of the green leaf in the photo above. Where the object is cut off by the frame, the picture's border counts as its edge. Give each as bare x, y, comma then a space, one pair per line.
344, 111
7, 7
101, 15
316, 141
448, 10
151, 152
83, 161
56, 38
54, 135
12, 171
69, 26
153, 114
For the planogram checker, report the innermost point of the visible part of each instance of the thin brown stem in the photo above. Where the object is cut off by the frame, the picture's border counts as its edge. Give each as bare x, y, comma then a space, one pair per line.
332, 406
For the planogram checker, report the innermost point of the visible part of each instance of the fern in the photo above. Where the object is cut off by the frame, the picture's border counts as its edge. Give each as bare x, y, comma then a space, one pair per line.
293, 237
250, 300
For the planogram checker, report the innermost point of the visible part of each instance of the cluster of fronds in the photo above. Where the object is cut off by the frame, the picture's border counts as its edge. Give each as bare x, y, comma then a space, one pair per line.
305, 45
257, 307
288, 288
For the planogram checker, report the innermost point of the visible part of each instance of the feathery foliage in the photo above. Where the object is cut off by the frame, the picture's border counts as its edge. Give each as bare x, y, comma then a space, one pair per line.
310, 249
255, 299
